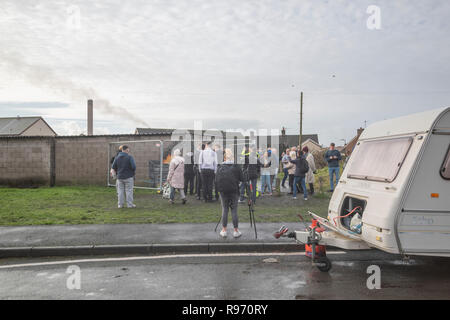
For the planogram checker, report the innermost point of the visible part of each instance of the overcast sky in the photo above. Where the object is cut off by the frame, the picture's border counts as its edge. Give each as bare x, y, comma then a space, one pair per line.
232, 64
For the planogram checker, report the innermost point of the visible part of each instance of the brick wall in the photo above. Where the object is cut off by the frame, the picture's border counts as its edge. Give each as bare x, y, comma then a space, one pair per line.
25, 161
77, 160
85, 160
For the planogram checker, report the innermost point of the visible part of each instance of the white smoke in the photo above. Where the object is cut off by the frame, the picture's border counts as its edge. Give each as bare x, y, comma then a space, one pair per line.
42, 76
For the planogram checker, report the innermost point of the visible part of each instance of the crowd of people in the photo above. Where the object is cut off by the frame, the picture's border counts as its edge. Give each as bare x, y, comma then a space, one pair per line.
212, 174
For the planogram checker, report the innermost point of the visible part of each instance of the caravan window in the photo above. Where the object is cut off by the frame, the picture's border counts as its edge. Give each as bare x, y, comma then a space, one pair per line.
445, 170
379, 160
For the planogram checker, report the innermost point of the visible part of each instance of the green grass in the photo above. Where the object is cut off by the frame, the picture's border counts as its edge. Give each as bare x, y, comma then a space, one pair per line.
98, 205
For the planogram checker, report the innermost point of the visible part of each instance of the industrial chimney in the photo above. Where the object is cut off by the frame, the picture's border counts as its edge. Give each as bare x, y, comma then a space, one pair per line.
90, 117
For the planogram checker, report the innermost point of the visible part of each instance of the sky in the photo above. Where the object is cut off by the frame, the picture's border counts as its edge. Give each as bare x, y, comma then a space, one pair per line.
230, 64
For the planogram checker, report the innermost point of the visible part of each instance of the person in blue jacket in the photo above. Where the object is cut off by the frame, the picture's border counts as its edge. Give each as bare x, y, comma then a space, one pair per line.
332, 157
124, 167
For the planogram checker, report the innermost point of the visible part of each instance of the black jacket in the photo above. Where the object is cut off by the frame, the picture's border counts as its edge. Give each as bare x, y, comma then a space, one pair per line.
251, 166
301, 167
229, 182
332, 163
124, 165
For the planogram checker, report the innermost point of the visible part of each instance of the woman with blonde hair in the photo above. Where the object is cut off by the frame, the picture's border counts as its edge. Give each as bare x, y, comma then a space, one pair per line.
228, 177
291, 170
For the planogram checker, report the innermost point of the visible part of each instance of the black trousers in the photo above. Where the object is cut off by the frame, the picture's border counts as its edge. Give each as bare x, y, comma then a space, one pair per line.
189, 182
215, 189
311, 188
198, 184
207, 183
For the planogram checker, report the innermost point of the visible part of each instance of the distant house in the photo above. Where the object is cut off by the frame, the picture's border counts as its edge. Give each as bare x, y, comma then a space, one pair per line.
312, 145
25, 126
347, 150
291, 140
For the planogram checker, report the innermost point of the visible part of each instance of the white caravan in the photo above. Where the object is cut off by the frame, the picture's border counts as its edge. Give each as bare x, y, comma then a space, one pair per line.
394, 193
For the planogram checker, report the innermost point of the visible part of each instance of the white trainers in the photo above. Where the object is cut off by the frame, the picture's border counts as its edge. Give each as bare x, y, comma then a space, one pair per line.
223, 233
306, 199
294, 198
132, 206
237, 234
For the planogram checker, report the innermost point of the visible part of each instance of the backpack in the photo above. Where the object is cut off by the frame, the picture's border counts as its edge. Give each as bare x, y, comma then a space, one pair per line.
226, 179
304, 167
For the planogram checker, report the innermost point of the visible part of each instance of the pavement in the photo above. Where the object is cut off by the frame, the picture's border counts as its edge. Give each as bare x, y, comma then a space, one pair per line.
41, 241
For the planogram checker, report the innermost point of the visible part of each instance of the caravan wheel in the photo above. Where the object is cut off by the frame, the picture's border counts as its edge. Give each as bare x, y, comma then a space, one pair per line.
323, 264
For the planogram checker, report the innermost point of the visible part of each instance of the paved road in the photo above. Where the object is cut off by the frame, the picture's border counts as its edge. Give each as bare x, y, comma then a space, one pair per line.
234, 276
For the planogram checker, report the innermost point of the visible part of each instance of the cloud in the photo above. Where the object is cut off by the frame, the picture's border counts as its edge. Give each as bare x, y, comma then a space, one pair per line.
33, 105
70, 128
168, 62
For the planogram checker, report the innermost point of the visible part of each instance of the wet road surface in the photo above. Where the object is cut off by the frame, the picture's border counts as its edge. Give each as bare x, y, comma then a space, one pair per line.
226, 276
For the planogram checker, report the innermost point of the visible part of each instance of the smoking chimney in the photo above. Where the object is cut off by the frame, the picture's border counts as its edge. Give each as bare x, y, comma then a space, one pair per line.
90, 117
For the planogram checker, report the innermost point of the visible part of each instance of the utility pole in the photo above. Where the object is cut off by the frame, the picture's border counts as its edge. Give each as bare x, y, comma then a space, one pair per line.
301, 120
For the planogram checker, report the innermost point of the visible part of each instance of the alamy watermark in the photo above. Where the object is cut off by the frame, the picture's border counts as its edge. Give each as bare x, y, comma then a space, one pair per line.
374, 20
73, 282
256, 140
374, 280
73, 21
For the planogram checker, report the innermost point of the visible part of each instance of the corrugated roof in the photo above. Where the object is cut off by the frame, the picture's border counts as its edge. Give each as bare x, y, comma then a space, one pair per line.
292, 139
154, 131
17, 125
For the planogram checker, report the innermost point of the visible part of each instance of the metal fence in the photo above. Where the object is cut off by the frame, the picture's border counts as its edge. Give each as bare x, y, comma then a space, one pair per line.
153, 157
149, 158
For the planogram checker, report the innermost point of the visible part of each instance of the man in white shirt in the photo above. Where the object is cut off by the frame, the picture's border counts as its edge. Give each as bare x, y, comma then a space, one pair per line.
207, 164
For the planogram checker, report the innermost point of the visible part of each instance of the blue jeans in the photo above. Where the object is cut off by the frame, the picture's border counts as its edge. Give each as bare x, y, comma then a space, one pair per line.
265, 180
286, 175
303, 184
335, 171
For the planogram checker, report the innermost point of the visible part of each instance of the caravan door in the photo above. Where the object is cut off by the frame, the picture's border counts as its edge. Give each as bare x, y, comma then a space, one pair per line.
424, 221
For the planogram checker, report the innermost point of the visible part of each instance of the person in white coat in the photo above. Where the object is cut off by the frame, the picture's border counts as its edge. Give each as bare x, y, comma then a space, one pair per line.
175, 177
309, 178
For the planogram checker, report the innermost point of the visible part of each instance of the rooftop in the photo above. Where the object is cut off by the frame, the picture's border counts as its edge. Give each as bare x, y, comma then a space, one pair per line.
16, 125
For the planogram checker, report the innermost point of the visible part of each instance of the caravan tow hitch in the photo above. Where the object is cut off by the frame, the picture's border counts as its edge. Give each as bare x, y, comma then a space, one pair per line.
310, 238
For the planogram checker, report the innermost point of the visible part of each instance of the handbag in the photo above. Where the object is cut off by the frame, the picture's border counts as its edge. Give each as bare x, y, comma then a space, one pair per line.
166, 191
